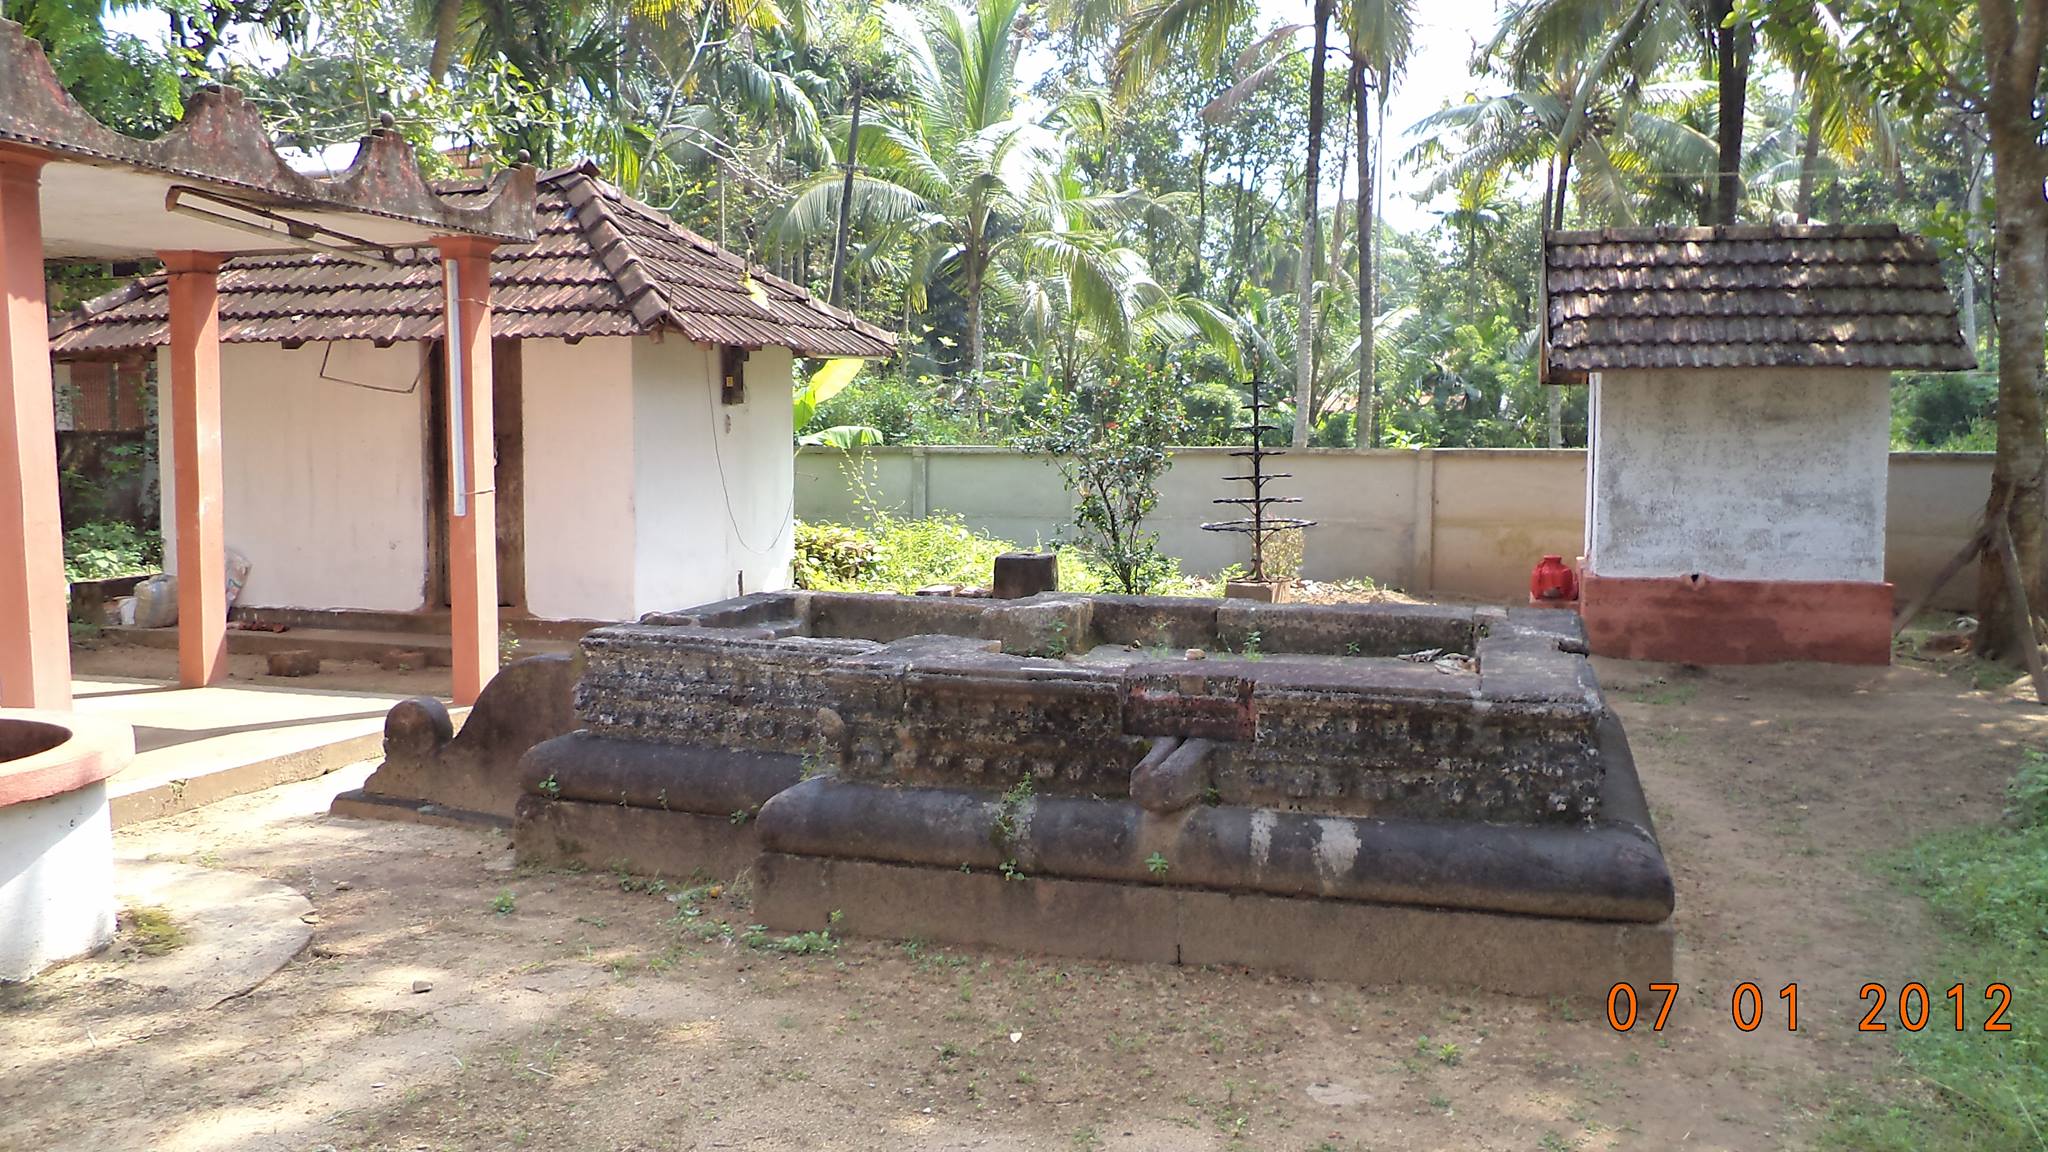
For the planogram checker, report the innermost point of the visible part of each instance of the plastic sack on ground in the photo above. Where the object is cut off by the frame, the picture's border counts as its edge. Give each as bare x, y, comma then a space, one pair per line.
238, 575
156, 601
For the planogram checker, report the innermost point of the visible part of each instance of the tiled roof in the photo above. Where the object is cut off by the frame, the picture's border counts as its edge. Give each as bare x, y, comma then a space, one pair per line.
1747, 296
601, 264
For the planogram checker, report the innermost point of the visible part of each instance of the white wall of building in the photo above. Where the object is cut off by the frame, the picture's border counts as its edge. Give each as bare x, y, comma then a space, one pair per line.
323, 473
1757, 474
580, 498
757, 474
643, 491
712, 481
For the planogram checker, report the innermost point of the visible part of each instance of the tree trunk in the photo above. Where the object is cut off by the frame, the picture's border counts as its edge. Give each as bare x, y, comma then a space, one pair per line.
1973, 210
973, 276
1305, 287
447, 25
1240, 215
1367, 435
1201, 206
1809, 159
2013, 52
1564, 184
1734, 47
845, 227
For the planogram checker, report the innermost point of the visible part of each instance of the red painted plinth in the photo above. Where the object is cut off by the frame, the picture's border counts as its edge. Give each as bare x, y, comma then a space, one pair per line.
1702, 620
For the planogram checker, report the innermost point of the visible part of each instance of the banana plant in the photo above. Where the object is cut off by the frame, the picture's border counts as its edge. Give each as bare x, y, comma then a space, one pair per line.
828, 381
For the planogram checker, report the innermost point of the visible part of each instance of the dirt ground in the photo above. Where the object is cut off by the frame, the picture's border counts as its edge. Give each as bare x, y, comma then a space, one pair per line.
574, 1011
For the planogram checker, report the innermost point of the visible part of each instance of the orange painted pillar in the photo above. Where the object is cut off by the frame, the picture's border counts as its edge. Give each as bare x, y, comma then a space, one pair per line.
195, 462
35, 639
472, 464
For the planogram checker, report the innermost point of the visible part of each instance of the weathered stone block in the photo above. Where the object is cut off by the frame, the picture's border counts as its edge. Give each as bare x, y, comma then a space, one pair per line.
1054, 627
1262, 591
293, 662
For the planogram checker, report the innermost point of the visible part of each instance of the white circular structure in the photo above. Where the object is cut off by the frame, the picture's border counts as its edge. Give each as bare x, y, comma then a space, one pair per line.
56, 837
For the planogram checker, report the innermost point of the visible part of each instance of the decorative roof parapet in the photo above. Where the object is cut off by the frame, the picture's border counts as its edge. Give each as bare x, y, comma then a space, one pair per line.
223, 142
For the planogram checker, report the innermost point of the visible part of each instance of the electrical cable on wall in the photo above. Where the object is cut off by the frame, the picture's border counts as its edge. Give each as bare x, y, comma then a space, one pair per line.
327, 347
725, 491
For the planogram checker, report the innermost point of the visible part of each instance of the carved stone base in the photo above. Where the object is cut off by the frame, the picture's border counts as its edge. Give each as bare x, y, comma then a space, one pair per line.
432, 774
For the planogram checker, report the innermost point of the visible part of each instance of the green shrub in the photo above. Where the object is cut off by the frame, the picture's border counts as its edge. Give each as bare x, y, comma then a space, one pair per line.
1216, 414
934, 550
896, 554
833, 556
905, 411
105, 549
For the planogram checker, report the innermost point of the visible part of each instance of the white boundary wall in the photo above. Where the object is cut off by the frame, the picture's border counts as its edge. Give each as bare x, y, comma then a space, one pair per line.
1455, 522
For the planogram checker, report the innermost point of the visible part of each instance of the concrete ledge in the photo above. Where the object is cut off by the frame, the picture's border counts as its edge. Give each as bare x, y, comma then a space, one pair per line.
646, 841
1312, 939
154, 798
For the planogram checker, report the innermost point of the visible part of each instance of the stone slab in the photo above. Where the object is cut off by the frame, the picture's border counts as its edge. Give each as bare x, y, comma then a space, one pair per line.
238, 929
361, 805
1312, 939
198, 745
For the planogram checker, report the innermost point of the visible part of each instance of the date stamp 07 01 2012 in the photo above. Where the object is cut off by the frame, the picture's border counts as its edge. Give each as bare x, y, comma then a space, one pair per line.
1911, 1008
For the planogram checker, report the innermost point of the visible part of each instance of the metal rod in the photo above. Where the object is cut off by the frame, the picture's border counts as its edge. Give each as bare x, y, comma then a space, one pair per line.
292, 233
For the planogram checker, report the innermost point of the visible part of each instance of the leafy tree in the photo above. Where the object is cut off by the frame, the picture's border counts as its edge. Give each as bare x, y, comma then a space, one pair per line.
1109, 439
1989, 58
122, 82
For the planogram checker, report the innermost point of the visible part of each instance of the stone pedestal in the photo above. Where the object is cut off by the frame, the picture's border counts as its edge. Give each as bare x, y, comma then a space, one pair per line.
1265, 592
1021, 574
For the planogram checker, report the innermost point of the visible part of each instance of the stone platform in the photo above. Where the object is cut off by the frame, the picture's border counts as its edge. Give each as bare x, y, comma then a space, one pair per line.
1366, 792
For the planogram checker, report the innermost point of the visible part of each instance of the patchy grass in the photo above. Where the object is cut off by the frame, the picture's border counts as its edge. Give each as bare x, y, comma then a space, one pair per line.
1982, 1090
150, 929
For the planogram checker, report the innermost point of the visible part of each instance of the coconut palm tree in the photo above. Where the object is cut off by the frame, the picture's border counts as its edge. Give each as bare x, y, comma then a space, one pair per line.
1625, 41
1379, 35
980, 187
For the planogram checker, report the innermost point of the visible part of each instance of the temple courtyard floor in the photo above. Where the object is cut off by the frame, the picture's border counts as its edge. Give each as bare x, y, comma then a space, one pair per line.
447, 998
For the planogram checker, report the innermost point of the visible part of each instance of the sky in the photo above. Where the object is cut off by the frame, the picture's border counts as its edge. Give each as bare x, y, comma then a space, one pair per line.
1438, 73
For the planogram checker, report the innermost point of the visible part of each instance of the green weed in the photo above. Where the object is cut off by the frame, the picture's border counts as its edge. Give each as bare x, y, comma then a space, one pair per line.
151, 929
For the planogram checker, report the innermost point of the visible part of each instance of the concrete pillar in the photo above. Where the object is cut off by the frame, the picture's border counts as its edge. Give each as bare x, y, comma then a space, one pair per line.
35, 640
201, 561
472, 463
1422, 560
